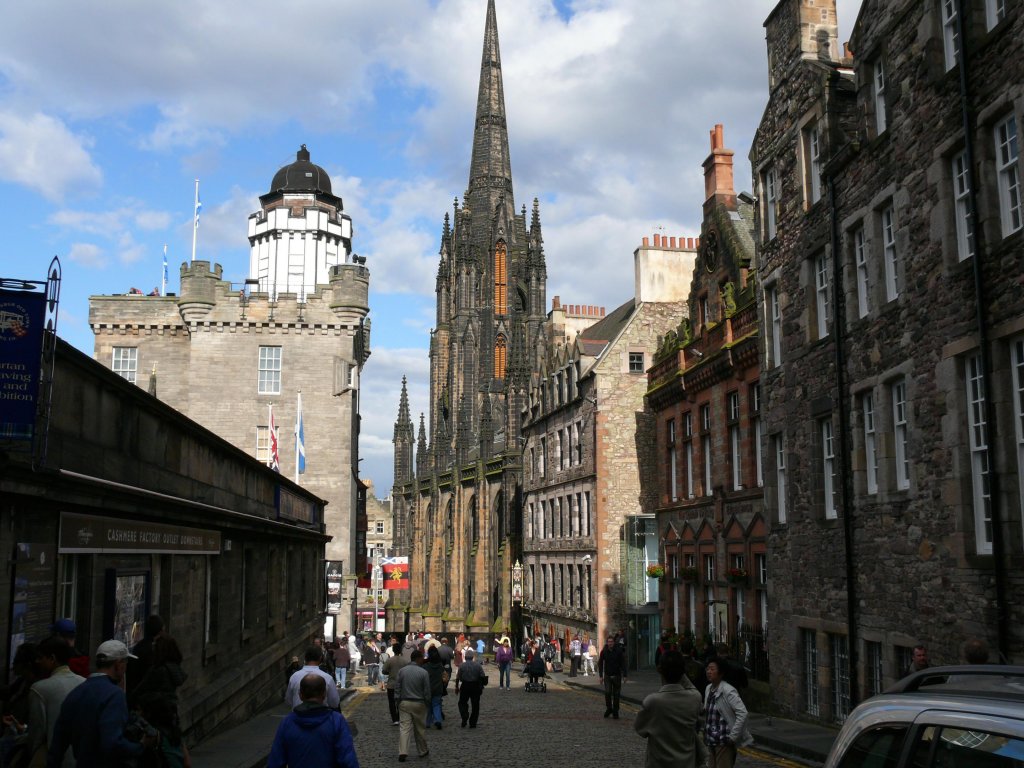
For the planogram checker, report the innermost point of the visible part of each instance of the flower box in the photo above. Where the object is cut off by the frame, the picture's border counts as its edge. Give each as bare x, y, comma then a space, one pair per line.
656, 571
737, 576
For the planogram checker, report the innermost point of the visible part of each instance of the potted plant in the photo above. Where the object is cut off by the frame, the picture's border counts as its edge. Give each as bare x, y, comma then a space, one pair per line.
736, 575
656, 571
688, 573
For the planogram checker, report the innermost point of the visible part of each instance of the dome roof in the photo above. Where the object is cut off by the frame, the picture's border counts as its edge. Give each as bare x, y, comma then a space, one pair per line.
302, 176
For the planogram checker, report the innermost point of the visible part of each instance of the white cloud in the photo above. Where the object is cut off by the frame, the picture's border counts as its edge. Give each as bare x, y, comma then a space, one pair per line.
41, 153
88, 255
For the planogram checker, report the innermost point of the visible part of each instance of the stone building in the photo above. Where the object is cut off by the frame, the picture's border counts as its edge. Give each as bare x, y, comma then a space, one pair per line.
135, 509
890, 241
379, 543
589, 462
456, 510
224, 354
706, 396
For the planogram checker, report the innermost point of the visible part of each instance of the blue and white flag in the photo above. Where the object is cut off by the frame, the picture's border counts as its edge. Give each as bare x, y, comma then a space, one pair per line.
164, 283
300, 443
199, 205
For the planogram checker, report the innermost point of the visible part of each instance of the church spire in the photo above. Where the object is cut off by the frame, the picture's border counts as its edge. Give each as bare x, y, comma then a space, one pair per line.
403, 440
490, 171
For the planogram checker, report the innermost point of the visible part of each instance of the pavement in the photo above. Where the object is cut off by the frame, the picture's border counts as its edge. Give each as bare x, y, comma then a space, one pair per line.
247, 745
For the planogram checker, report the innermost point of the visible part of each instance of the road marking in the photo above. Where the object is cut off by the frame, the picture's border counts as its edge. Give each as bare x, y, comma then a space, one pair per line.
770, 758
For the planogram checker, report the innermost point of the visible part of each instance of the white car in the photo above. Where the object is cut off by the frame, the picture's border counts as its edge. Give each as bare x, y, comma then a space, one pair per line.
944, 717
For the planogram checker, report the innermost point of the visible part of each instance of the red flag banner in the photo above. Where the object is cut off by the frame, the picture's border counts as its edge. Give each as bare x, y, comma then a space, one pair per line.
395, 572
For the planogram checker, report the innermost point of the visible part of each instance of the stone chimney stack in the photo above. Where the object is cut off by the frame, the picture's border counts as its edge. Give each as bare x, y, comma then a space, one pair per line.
798, 30
718, 179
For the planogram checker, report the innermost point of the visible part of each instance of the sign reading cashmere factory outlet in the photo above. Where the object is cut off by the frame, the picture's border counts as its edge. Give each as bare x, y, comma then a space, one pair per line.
81, 534
21, 346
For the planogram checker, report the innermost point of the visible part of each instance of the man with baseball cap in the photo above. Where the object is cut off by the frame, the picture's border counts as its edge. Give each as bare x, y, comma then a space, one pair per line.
93, 716
65, 630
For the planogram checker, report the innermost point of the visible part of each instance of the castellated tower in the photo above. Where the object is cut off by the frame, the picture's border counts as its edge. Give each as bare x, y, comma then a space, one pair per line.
225, 354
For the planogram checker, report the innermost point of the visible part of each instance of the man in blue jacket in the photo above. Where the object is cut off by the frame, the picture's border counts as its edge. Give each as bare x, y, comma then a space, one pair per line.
93, 716
313, 735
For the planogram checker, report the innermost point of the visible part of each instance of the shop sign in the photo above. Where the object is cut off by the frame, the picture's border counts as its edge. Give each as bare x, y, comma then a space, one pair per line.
86, 533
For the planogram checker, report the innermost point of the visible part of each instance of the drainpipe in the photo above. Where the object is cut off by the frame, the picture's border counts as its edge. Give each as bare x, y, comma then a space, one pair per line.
998, 555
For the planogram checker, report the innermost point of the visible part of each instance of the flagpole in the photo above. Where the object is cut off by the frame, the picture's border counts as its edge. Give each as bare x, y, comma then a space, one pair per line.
195, 221
163, 280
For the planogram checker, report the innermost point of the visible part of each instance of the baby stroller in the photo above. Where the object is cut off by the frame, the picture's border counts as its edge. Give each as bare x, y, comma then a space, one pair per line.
536, 684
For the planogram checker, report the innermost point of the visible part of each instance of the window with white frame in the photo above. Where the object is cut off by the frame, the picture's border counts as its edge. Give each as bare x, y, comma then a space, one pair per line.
773, 311
950, 36
263, 443
980, 466
755, 416
995, 12
379, 527
878, 95
867, 407
890, 253
733, 412
962, 206
900, 434
269, 371
770, 189
709, 568
812, 163
822, 268
828, 468
1018, 411
705, 446
688, 452
542, 457
860, 261
1008, 172
125, 362
779, 443
673, 469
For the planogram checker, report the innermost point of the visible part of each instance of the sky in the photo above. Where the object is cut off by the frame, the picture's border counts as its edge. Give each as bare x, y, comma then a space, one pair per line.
109, 111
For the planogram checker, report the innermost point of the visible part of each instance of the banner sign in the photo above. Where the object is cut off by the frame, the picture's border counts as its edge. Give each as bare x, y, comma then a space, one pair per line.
22, 316
293, 507
81, 534
335, 577
396, 572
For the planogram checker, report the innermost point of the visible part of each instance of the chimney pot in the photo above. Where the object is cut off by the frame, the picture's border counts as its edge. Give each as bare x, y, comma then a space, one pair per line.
647, 242
657, 241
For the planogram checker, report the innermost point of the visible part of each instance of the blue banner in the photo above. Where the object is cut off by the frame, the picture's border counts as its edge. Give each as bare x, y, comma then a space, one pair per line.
21, 345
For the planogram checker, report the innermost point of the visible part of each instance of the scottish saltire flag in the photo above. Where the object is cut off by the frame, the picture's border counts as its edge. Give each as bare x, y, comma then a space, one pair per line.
275, 459
300, 442
199, 205
164, 283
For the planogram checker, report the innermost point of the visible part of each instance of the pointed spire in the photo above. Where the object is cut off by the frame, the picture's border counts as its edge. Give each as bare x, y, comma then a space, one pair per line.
490, 171
403, 404
422, 454
447, 227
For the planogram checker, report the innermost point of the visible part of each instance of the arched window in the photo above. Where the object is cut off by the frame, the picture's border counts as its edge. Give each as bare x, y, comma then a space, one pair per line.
500, 357
501, 279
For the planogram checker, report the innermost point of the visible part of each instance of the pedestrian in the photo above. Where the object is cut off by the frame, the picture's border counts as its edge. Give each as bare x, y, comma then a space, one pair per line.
314, 655
611, 673
733, 670
503, 658
725, 718
469, 684
342, 658
156, 695
447, 654
293, 666
412, 689
480, 648
46, 696
589, 658
93, 717
536, 667
354, 654
575, 656
143, 651
694, 666
435, 668
392, 666
313, 735
669, 719
976, 651
66, 630
918, 660
371, 660
16, 705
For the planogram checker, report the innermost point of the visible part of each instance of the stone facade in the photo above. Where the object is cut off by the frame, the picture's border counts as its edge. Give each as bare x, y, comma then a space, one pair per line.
589, 464
456, 515
229, 553
223, 355
705, 393
889, 258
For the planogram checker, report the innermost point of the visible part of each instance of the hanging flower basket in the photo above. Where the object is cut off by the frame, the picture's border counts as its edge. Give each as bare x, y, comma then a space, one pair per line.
737, 576
656, 571
688, 574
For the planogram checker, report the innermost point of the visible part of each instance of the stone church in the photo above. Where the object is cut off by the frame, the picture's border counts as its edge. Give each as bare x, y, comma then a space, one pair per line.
457, 507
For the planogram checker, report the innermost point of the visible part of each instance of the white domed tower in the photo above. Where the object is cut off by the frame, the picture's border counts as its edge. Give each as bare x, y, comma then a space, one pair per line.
300, 232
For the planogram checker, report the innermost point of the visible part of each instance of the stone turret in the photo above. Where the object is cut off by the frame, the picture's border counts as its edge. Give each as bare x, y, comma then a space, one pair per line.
199, 289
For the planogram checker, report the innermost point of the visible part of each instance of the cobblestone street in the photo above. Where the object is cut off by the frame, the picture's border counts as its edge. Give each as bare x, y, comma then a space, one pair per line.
564, 726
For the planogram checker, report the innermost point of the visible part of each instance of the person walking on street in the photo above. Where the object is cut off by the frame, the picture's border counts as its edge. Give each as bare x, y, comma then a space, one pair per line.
589, 651
725, 718
93, 716
314, 655
392, 666
412, 689
503, 657
669, 719
46, 696
469, 684
611, 673
575, 656
918, 661
342, 659
435, 669
371, 660
313, 735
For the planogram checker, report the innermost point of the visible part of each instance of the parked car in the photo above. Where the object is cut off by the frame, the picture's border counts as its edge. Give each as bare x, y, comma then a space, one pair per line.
944, 717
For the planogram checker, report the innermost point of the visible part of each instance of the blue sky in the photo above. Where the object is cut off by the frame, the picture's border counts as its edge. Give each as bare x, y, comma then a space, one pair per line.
109, 111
